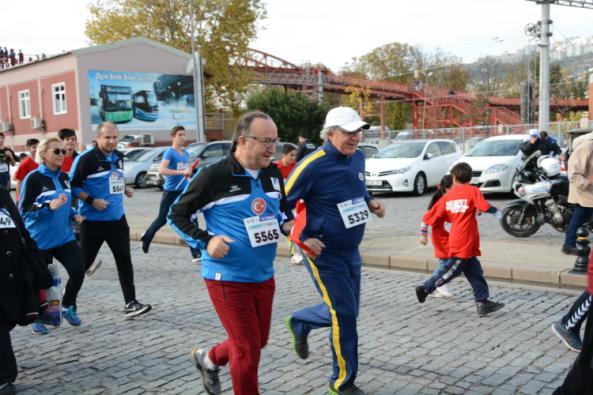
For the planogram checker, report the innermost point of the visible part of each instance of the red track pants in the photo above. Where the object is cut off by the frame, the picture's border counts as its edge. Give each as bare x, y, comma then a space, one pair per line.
245, 310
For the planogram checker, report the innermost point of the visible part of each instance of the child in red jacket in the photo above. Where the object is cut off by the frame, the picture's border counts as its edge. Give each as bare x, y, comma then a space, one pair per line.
440, 235
459, 207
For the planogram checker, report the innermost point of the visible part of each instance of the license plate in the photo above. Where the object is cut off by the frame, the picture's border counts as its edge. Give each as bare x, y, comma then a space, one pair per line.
374, 183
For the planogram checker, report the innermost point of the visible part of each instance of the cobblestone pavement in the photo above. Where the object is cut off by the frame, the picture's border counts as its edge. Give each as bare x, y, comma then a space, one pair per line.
403, 215
405, 348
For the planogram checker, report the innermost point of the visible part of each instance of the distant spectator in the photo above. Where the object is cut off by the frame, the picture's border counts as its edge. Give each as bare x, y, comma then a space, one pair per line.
7, 159
287, 160
21, 57
12, 57
26, 166
305, 146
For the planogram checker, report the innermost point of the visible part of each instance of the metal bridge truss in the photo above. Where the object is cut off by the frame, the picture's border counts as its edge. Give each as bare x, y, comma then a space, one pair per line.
431, 107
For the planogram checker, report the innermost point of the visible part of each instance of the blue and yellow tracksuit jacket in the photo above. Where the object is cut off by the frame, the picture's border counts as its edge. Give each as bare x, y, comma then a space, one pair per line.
323, 179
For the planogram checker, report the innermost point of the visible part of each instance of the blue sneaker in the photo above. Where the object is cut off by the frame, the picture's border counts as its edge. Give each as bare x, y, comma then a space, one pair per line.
69, 314
39, 329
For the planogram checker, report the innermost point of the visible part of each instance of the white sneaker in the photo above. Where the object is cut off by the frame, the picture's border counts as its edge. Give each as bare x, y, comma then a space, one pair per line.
197, 259
93, 268
444, 291
296, 259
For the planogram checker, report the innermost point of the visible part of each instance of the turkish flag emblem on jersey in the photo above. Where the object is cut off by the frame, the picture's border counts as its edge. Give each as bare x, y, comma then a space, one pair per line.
258, 206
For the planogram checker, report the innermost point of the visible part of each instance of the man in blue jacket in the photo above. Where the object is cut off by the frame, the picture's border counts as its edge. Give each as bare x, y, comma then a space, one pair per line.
97, 180
331, 182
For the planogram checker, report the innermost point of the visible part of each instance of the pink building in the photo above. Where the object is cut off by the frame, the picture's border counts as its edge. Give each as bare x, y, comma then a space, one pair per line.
139, 84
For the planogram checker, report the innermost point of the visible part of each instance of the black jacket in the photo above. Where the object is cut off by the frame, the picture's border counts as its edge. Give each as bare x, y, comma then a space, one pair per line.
304, 149
22, 271
544, 146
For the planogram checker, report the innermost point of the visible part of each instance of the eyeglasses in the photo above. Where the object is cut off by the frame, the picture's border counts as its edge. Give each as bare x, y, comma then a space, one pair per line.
59, 151
267, 141
356, 133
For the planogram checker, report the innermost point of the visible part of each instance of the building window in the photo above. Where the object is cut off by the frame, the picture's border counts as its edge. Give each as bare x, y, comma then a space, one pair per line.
59, 98
24, 104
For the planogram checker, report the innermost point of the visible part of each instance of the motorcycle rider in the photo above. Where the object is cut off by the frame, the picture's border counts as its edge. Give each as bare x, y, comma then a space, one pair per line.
539, 142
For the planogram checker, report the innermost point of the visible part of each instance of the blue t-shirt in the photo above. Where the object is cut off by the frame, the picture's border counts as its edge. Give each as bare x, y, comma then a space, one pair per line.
177, 161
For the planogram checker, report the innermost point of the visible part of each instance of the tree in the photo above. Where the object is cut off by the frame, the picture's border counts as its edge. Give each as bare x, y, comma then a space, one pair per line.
224, 28
293, 112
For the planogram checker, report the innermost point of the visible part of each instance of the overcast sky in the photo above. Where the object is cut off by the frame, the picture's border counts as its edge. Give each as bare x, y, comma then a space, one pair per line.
328, 31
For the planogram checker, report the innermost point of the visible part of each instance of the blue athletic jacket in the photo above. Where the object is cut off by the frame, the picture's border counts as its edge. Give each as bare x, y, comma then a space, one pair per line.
90, 173
227, 195
49, 228
323, 179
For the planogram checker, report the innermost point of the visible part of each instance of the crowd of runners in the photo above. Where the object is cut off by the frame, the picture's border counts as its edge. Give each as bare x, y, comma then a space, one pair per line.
70, 204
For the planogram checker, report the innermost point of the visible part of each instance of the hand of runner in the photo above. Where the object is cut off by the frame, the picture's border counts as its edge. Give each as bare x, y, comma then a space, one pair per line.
287, 226
315, 245
100, 204
129, 191
217, 246
58, 202
423, 239
377, 208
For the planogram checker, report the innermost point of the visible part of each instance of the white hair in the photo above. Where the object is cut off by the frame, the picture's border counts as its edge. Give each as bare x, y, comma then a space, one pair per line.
325, 131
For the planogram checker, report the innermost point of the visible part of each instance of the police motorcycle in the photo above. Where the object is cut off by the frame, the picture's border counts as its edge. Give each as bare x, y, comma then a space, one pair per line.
543, 197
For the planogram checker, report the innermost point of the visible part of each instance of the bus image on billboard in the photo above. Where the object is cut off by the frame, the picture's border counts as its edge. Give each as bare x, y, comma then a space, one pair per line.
116, 103
146, 107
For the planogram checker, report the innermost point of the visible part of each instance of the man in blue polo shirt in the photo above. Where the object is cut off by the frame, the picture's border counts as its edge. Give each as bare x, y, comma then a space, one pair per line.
176, 169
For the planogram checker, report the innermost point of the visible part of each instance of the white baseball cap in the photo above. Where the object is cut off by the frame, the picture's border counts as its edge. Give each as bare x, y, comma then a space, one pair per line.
533, 133
344, 118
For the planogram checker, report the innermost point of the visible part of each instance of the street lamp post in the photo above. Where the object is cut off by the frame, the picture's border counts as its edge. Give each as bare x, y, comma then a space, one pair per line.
198, 80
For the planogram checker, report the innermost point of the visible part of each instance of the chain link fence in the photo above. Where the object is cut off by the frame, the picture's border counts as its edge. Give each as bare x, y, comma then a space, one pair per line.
467, 137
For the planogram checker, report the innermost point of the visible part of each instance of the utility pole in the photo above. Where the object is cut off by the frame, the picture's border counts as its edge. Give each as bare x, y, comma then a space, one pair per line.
544, 67
544, 60
198, 80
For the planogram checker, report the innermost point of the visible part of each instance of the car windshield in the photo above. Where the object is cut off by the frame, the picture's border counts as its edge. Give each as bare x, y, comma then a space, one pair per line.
496, 148
195, 150
146, 155
133, 155
402, 150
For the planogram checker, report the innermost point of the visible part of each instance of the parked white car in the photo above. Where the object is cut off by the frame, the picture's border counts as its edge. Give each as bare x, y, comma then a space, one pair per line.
494, 161
135, 170
410, 166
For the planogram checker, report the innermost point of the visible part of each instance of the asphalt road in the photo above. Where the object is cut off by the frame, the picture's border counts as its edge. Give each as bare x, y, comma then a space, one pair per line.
403, 215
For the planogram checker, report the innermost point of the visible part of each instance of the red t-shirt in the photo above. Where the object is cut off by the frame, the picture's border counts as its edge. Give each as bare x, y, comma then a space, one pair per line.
458, 207
440, 240
285, 170
67, 163
26, 166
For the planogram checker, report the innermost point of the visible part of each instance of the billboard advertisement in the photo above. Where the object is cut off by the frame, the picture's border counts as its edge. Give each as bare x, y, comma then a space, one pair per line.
141, 101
